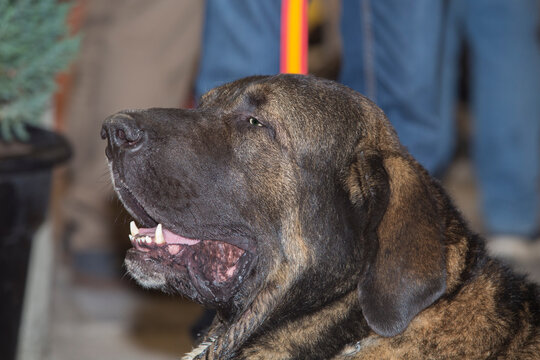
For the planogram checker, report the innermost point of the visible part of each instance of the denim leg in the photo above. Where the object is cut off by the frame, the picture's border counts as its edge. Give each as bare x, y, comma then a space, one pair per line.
392, 53
451, 54
506, 106
357, 63
240, 38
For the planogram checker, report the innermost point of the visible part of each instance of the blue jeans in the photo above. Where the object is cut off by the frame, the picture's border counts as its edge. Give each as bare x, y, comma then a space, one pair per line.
240, 38
403, 55
503, 37
392, 54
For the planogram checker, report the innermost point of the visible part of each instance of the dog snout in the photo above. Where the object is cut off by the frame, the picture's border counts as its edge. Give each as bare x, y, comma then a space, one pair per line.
123, 134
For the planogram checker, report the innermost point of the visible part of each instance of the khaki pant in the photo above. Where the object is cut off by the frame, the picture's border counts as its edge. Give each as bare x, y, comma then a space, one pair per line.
134, 54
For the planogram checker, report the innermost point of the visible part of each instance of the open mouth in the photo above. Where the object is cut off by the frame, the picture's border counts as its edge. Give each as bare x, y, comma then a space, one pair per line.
214, 268
217, 261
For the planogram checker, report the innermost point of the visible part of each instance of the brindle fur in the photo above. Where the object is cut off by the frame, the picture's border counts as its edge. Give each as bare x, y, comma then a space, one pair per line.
359, 253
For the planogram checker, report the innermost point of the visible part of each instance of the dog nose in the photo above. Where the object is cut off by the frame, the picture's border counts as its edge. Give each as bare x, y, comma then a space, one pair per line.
123, 134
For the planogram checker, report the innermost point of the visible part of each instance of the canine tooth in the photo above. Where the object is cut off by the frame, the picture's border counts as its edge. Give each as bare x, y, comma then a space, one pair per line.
148, 239
159, 235
131, 237
134, 229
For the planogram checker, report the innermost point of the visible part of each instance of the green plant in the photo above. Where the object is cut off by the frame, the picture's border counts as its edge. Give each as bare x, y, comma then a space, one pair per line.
34, 46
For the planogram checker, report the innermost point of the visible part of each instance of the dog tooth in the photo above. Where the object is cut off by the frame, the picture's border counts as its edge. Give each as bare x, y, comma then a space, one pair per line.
131, 237
159, 235
134, 229
148, 239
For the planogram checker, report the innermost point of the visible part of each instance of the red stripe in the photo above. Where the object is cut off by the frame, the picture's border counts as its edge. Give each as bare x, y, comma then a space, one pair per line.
284, 33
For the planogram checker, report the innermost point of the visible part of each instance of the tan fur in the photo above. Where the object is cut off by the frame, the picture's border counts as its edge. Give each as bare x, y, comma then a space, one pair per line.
447, 330
278, 343
453, 328
404, 188
361, 253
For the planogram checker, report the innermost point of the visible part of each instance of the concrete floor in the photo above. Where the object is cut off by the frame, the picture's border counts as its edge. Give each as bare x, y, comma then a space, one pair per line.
116, 322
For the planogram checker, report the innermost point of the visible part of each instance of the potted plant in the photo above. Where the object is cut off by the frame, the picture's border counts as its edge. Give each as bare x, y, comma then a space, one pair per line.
34, 46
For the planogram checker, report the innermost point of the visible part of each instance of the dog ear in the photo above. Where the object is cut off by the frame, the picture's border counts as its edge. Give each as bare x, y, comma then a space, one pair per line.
405, 271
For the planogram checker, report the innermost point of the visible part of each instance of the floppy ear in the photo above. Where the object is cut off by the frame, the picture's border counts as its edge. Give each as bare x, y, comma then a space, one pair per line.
405, 271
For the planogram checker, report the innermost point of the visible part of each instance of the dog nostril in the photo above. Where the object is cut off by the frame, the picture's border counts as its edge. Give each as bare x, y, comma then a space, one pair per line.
120, 134
127, 136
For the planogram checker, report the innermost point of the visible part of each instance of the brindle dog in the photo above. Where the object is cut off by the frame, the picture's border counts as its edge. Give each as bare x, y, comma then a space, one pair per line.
288, 204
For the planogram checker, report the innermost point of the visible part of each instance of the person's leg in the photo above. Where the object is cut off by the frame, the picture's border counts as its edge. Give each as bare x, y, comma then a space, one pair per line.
241, 38
134, 54
506, 88
392, 53
357, 63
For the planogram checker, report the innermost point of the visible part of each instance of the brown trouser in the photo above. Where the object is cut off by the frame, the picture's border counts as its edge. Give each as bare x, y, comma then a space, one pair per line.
134, 54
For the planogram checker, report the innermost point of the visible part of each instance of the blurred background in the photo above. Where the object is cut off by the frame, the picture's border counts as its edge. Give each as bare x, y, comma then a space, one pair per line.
459, 79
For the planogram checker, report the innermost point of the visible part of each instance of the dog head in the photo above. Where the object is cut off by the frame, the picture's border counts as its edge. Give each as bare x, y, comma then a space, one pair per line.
283, 192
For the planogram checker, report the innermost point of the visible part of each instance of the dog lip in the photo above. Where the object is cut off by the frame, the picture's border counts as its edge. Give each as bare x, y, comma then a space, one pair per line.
242, 268
215, 281
137, 210
173, 236
232, 236
133, 205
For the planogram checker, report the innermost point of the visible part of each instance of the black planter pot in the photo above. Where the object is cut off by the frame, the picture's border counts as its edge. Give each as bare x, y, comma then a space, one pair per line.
25, 179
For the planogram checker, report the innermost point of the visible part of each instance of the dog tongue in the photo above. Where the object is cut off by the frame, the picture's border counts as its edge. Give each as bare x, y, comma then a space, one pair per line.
169, 237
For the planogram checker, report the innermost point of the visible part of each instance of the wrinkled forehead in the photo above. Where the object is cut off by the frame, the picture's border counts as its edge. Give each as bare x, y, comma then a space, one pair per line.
232, 95
309, 111
290, 101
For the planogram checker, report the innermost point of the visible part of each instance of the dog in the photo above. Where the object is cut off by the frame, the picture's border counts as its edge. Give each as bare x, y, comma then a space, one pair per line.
288, 204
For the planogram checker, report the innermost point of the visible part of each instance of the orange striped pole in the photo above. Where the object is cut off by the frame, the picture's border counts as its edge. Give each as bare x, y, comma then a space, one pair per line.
294, 37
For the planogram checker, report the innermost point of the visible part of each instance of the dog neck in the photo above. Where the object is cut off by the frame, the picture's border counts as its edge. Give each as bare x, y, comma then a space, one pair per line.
317, 335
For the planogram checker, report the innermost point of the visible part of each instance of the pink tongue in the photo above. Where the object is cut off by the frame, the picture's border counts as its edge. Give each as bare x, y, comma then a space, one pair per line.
170, 237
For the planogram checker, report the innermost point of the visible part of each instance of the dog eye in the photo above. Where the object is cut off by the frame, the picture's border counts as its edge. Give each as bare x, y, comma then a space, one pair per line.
255, 122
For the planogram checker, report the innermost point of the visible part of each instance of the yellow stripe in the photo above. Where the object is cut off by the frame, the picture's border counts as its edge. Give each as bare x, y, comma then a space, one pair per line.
294, 46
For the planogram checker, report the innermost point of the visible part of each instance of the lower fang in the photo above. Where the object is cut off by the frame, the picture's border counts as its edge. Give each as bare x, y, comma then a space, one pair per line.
173, 249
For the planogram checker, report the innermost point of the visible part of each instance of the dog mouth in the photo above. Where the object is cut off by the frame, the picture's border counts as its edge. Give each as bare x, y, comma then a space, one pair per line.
209, 271
218, 262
